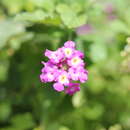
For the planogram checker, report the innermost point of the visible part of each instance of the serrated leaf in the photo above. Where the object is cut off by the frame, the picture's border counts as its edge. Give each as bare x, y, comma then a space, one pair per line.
39, 16
69, 17
47, 5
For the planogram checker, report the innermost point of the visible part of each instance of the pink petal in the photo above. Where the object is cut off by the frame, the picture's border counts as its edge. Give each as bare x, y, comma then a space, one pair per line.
58, 87
70, 44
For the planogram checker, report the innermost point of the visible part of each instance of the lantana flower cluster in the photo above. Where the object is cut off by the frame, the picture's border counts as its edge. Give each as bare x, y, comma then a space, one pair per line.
65, 68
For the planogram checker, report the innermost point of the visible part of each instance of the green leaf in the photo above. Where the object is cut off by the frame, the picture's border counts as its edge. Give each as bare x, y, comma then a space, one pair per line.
8, 29
35, 16
69, 17
13, 6
47, 5
118, 26
39, 16
55, 20
77, 7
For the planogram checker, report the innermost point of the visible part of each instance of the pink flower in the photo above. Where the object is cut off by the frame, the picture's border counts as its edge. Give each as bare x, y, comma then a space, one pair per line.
68, 52
79, 53
64, 66
75, 61
54, 56
74, 74
63, 78
78, 74
48, 77
72, 88
69, 44
83, 76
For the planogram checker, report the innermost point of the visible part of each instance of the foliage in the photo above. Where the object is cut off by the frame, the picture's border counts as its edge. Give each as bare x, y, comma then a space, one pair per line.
27, 28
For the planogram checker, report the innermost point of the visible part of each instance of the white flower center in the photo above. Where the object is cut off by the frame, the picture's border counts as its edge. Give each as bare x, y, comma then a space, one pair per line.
75, 61
68, 51
63, 79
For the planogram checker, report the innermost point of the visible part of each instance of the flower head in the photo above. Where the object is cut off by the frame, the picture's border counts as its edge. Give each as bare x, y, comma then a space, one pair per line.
64, 66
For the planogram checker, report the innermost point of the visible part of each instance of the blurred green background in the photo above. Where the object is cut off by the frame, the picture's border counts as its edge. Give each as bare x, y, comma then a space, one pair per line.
100, 29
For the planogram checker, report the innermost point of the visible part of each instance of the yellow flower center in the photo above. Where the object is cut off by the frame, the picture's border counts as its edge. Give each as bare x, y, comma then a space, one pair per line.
65, 67
68, 51
63, 78
75, 61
